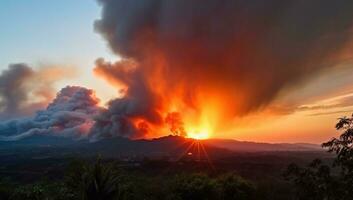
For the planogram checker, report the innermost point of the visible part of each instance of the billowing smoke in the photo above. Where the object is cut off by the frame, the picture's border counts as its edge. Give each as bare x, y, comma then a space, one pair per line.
24, 90
229, 57
70, 114
127, 116
187, 65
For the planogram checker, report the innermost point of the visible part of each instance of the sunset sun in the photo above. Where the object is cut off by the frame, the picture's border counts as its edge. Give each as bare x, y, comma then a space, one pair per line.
198, 133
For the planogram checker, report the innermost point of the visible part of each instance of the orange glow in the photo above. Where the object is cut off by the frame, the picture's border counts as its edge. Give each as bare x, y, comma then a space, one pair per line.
198, 135
203, 128
193, 112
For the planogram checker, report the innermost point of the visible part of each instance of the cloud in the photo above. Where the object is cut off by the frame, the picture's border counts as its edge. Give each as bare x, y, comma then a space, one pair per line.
332, 105
331, 113
70, 114
23, 90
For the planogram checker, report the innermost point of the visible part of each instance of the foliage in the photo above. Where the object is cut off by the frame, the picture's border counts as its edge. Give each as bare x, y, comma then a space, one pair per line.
343, 147
232, 186
6, 189
42, 191
316, 181
200, 186
94, 182
194, 187
313, 182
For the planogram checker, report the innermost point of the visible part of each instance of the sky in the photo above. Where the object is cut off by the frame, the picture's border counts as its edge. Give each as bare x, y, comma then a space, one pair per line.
54, 33
61, 34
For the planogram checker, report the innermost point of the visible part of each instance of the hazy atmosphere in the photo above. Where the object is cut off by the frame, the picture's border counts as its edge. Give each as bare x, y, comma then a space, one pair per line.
176, 100
289, 76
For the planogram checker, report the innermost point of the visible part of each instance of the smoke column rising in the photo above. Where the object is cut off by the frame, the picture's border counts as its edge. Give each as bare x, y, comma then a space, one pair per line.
187, 66
212, 60
24, 90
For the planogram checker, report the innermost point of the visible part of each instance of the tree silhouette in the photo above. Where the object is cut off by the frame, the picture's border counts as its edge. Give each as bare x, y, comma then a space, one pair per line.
94, 182
316, 181
343, 148
233, 187
194, 187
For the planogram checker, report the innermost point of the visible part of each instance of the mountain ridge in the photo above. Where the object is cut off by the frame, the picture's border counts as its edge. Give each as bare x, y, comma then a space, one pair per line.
165, 144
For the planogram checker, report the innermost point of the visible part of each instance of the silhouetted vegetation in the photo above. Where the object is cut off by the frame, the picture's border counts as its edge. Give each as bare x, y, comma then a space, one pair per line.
196, 186
233, 187
253, 176
43, 191
320, 181
94, 182
101, 181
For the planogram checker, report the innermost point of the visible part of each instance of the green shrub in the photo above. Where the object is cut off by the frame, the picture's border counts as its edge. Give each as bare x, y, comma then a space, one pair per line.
232, 186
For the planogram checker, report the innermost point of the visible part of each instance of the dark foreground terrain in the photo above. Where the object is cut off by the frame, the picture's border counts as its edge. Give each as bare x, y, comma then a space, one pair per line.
165, 168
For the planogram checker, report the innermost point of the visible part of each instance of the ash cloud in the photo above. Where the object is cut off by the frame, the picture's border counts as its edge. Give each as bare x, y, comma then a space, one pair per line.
244, 52
70, 114
23, 90
12, 88
133, 114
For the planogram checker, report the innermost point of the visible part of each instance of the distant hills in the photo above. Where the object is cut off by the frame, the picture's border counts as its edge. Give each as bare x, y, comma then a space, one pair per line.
168, 146
244, 146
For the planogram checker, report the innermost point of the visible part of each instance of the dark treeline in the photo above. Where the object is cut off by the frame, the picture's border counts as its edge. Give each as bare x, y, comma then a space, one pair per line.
320, 181
102, 180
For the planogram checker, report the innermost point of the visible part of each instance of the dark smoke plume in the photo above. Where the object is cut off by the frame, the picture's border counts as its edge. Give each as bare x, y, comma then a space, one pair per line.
126, 116
12, 88
24, 90
242, 52
70, 114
